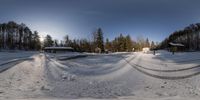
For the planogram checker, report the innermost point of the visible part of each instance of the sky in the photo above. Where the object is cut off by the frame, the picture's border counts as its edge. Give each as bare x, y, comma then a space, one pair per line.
153, 19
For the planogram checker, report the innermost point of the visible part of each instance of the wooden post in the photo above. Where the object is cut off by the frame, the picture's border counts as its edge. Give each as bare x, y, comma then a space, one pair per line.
154, 52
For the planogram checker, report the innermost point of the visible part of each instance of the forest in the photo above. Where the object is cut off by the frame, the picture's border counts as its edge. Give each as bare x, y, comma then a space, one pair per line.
15, 36
120, 43
189, 37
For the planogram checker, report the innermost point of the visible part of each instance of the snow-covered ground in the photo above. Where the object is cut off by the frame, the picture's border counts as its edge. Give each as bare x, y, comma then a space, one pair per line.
6, 56
74, 75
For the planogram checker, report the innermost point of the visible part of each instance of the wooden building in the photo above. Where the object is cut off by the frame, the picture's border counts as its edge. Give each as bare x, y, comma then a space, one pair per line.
174, 47
58, 49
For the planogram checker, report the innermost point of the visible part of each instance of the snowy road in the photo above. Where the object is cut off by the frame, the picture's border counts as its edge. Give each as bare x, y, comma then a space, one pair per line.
108, 76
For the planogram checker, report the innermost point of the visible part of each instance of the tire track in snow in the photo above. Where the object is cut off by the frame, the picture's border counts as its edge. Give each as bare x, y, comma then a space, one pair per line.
61, 66
5, 66
138, 67
174, 70
90, 72
158, 76
159, 70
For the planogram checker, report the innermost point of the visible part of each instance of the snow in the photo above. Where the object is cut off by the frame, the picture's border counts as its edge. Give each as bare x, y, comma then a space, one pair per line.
101, 76
176, 44
60, 48
6, 56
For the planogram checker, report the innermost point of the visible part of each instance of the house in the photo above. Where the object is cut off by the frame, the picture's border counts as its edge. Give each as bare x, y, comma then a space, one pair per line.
145, 50
176, 44
133, 49
176, 47
58, 49
97, 50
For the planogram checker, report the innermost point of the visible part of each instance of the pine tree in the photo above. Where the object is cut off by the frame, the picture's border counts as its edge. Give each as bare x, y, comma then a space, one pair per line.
153, 45
108, 45
36, 41
129, 44
67, 41
141, 43
55, 43
99, 39
48, 42
147, 44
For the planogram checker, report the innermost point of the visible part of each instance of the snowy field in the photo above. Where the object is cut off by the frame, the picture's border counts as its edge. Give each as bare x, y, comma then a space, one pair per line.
134, 76
7, 56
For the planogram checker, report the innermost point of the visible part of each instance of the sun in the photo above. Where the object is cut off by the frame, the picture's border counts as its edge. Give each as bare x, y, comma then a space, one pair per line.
42, 37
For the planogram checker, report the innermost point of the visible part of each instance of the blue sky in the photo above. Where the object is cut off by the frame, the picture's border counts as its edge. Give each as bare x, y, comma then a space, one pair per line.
154, 19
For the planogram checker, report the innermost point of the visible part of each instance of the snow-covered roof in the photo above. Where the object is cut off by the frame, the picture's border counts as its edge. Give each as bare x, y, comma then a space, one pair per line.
176, 44
59, 48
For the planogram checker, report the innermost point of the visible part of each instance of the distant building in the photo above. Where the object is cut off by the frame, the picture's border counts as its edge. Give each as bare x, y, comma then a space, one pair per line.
97, 50
176, 47
145, 50
58, 49
176, 44
133, 49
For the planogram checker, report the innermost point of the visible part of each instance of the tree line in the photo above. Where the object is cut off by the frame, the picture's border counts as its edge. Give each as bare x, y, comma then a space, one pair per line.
189, 37
15, 36
97, 44
18, 36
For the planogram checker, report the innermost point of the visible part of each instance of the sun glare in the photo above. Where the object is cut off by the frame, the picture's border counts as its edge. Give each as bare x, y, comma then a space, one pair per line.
42, 36
41, 39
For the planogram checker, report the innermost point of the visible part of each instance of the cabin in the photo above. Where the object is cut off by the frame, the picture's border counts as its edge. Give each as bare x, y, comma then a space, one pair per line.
145, 50
174, 47
97, 50
58, 49
133, 50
